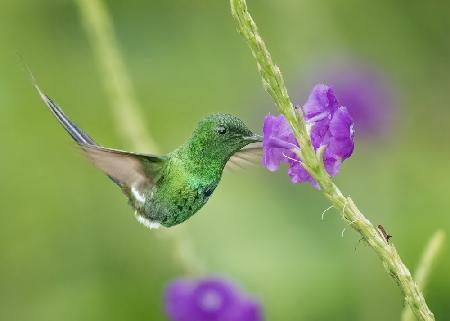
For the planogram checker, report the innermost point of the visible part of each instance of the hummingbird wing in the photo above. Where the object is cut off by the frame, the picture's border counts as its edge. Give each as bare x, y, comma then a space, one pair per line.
246, 156
128, 170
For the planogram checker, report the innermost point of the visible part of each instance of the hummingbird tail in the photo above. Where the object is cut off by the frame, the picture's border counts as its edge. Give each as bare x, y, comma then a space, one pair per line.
78, 135
130, 171
74, 131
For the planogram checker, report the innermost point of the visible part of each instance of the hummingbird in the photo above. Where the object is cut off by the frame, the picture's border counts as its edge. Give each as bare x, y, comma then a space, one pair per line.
167, 190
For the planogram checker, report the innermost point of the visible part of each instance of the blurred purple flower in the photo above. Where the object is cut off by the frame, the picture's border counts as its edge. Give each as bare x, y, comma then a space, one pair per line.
364, 90
330, 125
211, 299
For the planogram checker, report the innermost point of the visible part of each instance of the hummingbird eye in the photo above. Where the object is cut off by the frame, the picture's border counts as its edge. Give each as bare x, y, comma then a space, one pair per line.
221, 130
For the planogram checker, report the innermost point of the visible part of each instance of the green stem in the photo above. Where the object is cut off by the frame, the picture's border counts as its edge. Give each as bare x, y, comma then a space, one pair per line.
274, 84
127, 112
423, 271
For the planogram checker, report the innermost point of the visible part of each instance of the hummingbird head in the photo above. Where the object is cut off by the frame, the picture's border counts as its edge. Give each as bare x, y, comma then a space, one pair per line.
221, 135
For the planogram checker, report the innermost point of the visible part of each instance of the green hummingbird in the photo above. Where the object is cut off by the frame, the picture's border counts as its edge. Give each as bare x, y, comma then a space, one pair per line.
167, 190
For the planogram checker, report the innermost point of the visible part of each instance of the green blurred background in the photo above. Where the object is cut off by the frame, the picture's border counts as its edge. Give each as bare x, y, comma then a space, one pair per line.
70, 248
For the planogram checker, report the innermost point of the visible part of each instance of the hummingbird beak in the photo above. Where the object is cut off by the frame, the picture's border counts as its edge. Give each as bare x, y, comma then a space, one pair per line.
253, 138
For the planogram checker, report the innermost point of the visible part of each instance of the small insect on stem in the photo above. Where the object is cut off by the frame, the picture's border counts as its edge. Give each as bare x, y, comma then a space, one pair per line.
384, 233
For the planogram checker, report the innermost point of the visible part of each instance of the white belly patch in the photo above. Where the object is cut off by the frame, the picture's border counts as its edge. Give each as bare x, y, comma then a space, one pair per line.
146, 222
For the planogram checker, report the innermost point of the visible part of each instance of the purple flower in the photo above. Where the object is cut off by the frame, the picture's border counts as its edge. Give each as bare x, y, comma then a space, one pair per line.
330, 125
211, 299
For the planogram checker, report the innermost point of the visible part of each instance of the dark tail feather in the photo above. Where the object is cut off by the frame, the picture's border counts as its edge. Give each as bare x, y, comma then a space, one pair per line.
78, 135
76, 132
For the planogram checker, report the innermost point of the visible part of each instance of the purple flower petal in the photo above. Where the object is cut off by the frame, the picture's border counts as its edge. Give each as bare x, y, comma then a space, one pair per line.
211, 299
332, 165
341, 148
249, 310
299, 174
320, 134
321, 103
341, 124
341, 129
278, 141
177, 299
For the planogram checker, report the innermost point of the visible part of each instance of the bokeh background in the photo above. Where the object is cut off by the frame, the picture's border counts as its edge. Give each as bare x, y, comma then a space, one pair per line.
70, 248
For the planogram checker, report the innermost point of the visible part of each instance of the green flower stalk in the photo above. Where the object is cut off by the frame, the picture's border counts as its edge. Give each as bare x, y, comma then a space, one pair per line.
428, 260
312, 161
115, 78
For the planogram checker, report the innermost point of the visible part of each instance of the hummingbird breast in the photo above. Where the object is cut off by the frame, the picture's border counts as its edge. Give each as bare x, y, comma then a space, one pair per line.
177, 195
